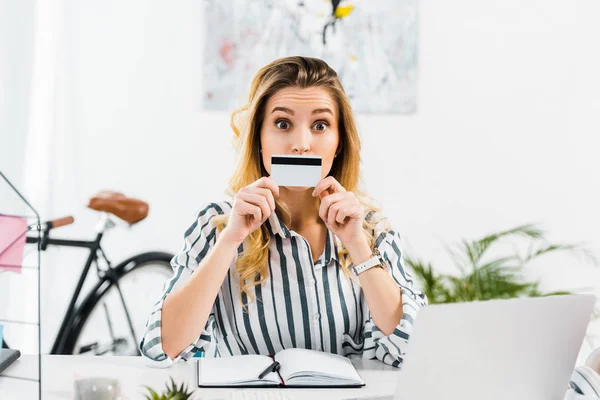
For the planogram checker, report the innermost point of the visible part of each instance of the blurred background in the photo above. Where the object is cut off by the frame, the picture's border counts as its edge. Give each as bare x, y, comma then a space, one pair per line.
504, 130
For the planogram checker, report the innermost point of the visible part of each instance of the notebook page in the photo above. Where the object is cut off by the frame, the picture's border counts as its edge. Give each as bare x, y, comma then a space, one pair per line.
244, 369
299, 361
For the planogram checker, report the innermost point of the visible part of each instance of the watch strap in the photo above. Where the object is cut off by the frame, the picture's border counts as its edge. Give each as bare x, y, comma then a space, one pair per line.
375, 261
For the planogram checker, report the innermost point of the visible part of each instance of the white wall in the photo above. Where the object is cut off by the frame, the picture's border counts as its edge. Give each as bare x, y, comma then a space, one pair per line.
508, 108
16, 45
506, 131
16, 56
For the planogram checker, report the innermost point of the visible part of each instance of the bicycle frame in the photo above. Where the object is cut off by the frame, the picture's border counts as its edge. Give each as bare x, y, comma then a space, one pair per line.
95, 248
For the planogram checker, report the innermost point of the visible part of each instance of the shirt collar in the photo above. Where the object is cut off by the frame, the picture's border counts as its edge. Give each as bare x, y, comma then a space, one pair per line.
331, 251
276, 227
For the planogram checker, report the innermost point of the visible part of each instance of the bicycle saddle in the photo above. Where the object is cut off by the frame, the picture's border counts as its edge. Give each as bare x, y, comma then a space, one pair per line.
128, 209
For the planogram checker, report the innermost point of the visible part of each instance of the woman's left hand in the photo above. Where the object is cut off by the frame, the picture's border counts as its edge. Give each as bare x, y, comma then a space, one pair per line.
341, 211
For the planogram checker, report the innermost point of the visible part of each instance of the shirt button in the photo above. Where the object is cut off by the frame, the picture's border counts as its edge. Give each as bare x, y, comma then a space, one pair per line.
311, 282
316, 317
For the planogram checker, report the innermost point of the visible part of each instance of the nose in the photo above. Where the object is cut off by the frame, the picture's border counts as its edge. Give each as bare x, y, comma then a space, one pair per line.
301, 149
301, 142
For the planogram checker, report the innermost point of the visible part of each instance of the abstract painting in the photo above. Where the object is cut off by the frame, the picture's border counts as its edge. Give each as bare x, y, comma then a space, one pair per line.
372, 44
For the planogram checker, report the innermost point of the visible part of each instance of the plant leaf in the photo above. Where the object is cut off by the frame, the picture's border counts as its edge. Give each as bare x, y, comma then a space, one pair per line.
576, 250
527, 230
498, 278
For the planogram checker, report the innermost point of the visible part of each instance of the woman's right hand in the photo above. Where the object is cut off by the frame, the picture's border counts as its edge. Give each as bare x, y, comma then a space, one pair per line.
252, 206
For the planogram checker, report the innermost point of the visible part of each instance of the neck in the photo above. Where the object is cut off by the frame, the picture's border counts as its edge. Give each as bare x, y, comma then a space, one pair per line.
304, 208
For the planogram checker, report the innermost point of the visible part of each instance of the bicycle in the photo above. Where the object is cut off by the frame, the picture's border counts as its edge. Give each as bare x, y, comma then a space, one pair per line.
94, 324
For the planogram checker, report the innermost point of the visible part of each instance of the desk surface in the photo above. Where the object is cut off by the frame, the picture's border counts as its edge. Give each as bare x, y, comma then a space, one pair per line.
59, 373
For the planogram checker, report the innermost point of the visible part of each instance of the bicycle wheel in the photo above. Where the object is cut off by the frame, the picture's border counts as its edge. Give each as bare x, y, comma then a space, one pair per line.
113, 322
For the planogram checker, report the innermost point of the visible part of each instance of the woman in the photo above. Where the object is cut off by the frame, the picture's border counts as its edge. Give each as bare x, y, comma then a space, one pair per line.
273, 269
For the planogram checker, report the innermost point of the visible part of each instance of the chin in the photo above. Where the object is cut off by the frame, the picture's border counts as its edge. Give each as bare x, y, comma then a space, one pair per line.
298, 188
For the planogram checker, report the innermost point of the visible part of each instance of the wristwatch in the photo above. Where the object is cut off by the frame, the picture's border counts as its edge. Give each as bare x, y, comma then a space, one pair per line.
375, 261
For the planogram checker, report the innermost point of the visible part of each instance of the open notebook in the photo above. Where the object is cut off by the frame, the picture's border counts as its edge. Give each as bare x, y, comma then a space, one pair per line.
297, 368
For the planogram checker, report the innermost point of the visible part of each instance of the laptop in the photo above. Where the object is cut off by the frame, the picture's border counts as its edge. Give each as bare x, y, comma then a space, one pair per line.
7, 357
518, 349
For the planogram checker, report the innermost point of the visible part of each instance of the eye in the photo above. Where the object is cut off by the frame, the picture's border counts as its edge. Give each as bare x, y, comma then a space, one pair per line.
320, 125
282, 124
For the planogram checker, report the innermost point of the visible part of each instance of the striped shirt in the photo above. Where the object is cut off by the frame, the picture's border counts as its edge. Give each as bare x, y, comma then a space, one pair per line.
300, 304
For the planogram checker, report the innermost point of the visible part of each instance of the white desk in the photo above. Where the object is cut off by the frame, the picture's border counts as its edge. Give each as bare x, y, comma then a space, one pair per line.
59, 373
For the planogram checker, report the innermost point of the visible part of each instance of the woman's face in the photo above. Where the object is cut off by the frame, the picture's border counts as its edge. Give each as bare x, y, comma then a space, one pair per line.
300, 122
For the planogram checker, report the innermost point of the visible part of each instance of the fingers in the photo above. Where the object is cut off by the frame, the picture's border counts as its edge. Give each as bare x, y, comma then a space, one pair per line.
258, 200
266, 193
243, 208
329, 183
326, 204
339, 206
341, 210
352, 211
267, 183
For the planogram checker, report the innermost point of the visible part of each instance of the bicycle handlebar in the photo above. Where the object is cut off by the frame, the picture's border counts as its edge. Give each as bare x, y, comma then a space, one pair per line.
57, 223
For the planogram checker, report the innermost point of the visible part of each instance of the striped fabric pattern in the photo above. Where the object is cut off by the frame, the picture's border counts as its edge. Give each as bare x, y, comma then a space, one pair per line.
300, 304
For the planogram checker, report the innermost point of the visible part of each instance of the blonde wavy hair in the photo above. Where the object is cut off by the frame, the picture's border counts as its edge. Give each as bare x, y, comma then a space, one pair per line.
246, 122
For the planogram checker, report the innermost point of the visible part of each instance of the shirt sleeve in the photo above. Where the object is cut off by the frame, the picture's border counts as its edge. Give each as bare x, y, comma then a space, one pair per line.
391, 349
198, 240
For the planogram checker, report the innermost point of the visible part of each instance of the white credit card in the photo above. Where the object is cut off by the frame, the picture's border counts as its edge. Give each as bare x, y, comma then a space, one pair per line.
289, 170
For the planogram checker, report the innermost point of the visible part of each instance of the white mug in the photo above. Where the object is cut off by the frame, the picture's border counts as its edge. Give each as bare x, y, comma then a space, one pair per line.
97, 389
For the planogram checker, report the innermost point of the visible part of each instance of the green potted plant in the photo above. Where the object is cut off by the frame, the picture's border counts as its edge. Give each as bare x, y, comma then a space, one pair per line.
172, 392
484, 277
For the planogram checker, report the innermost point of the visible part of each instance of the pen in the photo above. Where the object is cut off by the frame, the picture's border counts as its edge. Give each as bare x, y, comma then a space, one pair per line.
273, 367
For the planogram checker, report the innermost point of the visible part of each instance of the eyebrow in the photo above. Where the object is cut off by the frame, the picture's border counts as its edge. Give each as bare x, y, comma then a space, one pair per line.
291, 112
322, 110
284, 109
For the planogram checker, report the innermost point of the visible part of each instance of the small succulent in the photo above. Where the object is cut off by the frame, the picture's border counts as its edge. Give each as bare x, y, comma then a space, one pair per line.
172, 392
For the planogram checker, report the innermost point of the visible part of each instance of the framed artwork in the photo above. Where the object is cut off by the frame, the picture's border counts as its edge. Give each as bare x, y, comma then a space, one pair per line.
371, 44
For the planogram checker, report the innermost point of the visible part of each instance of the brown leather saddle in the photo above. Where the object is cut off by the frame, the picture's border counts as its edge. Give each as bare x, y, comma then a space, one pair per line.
128, 209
